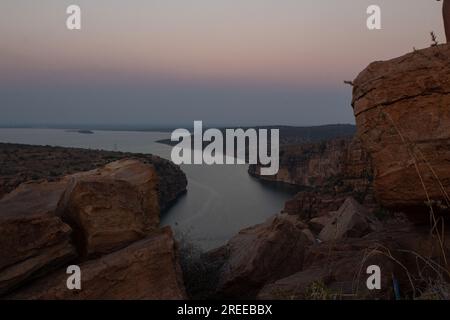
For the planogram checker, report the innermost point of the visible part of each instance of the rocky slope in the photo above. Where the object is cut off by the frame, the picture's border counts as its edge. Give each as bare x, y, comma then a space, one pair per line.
105, 220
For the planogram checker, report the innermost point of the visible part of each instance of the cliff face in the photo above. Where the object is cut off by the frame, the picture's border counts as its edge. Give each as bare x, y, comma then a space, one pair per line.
402, 110
338, 164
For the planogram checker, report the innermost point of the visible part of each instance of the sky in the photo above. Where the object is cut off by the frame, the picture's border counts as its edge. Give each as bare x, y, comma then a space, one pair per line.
170, 62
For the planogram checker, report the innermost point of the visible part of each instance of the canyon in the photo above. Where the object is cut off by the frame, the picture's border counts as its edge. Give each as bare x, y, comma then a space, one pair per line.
379, 197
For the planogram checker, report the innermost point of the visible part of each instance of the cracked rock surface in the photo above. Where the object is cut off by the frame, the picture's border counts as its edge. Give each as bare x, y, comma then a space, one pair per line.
402, 110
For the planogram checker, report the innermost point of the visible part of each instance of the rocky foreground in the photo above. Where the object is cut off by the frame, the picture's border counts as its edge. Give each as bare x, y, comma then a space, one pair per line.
106, 221
380, 198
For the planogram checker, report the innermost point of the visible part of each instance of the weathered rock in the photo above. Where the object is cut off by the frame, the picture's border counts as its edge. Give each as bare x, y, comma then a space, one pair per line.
351, 221
147, 269
337, 165
338, 270
318, 223
20, 163
112, 206
262, 253
310, 204
294, 287
403, 119
33, 240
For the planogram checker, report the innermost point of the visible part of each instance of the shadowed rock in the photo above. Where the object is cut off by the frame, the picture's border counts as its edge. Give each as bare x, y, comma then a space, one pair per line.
147, 269
33, 240
351, 221
262, 253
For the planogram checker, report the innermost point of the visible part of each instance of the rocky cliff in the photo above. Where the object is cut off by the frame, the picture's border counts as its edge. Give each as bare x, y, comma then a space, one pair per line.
336, 164
402, 111
105, 220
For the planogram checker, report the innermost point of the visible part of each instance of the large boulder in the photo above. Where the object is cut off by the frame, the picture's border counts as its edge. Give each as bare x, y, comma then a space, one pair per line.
402, 110
263, 253
112, 206
33, 240
352, 220
147, 269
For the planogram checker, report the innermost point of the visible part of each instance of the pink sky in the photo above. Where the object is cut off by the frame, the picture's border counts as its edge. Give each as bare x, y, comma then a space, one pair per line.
292, 43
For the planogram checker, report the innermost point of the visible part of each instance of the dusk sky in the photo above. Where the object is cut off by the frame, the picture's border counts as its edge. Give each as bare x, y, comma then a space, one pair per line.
169, 62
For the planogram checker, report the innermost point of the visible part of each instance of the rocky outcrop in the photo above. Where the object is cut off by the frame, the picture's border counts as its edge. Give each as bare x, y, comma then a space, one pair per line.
85, 218
405, 256
21, 163
403, 119
262, 253
311, 204
147, 269
33, 240
112, 206
336, 165
352, 220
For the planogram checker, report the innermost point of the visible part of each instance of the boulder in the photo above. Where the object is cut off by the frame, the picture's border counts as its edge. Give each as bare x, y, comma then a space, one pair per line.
262, 253
352, 220
111, 207
147, 269
402, 110
33, 240
317, 224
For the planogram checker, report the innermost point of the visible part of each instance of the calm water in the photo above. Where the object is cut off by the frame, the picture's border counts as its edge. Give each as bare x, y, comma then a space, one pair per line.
221, 200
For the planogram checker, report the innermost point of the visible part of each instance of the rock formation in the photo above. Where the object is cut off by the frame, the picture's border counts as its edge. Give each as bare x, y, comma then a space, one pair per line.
262, 253
402, 110
21, 163
337, 164
33, 239
112, 206
338, 270
351, 221
147, 269
105, 220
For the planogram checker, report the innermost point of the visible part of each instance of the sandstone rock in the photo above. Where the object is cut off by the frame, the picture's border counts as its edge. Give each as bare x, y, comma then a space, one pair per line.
141, 176
147, 269
310, 204
33, 240
351, 220
403, 119
338, 270
30, 162
337, 164
112, 206
262, 253
317, 224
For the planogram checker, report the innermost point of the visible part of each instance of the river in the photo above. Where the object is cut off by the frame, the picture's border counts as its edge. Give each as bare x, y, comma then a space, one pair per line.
221, 199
